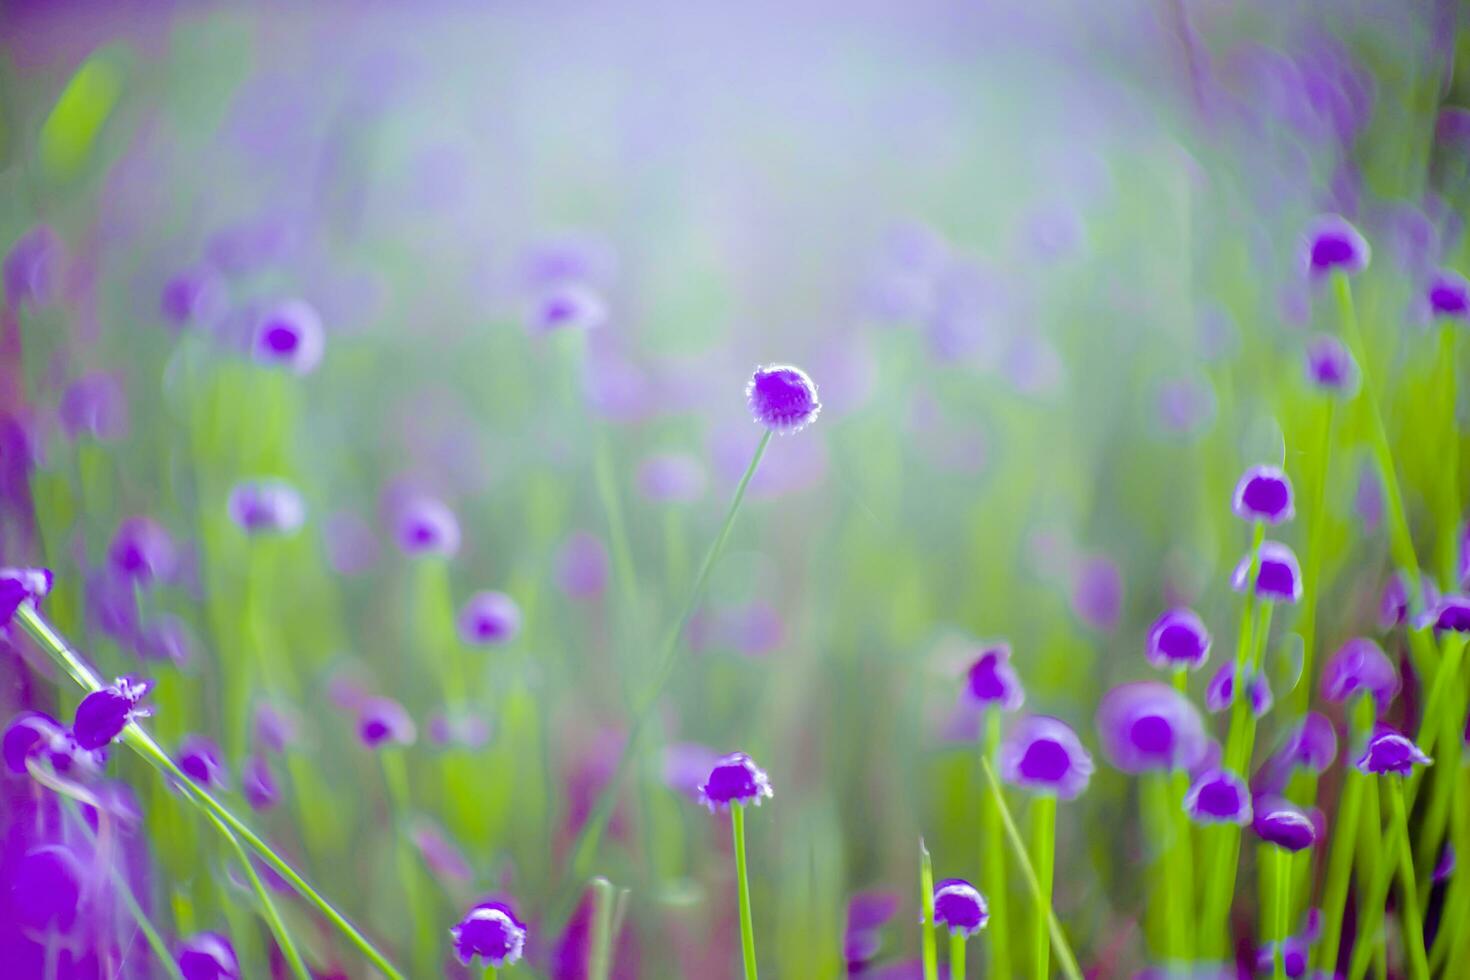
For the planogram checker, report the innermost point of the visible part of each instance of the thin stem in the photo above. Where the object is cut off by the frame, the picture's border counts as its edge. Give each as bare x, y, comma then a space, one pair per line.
395, 777
926, 926
1344, 837
956, 956
1043, 843
993, 859
1408, 892
599, 952
1280, 930
1168, 905
142, 743
491, 973
267, 907
747, 927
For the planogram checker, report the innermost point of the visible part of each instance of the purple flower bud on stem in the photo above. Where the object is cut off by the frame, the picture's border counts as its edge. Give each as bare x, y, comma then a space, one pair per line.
266, 507
1331, 243
1279, 578
959, 907
142, 551
208, 956
489, 618
290, 336
1218, 796
199, 757
1264, 494
1453, 614
1360, 666
1449, 295
491, 932
18, 585
426, 526
1043, 755
1390, 752
782, 398
1178, 639
992, 682
383, 720
1330, 365
1147, 726
1281, 823
258, 783
735, 778
103, 714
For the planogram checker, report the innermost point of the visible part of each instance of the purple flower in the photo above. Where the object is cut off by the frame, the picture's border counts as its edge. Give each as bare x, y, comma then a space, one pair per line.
1446, 866
1393, 608
959, 906
442, 857
1360, 666
426, 526
1449, 295
1281, 823
35, 733
1331, 243
1391, 752
1312, 744
290, 336
1260, 695
782, 398
208, 956
993, 682
567, 306
1218, 796
165, 638
258, 783
672, 478
1043, 755
275, 727
1453, 613
103, 714
581, 566
1264, 494
489, 618
1330, 365
95, 405
142, 551
1146, 725
47, 886
735, 778
266, 507
30, 270
193, 298
1178, 639
200, 759
1279, 577
1097, 593
492, 932
381, 720
18, 585
867, 913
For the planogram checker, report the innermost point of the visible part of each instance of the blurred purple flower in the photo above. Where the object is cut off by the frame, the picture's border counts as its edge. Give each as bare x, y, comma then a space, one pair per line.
1218, 796
991, 681
258, 783
491, 932
1279, 577
686, 766
1368, 498
266, 507
95, 405
1185, 405
867, 913
1264, 494
489, 619
735, 778
103, 714
193, 298
199, 758
782, 398
1146, 725
1177, 640
1390, 752
383, 720
672, 478
1446, 866
442, 857
581, 566
1448, 295
290, 336
208, 956
1330, 366
1331, 243
1453, 614
142, 551
578, 256
566, 306
165, 637
424, 525
275, 727
1097, 593
1279, 822
48, 889
1360, 665
31, 268
1312, 743
1042, 754
18, 585
959, 907
1260, 694
35, 733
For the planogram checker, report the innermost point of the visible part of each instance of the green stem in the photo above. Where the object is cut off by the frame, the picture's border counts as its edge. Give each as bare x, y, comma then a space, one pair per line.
956, 956
140, 742
926, 902
1450, 941
395, 777
1344, 839
747, 927
491, 973
993, 859
1413, 923
1301, 695
267, 907
599, 953
1281, 861
1169, 906
1043, 843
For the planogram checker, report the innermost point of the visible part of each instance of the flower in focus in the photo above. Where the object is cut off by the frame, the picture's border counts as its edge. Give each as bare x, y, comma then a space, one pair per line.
1279, 577
1264, 494
735, 778
1043, 755
426, 526
782, 398
382, 720
18, 585
1360, 666
489, 618
266, 506
1178, 639
1391, 752
992, 681
672, 478
1449, 295
1453, 614
1331, 244
1218, 796
258, 783
290, 336
1281, 823
103, 714
1147, 725
1330, 365
581, 566
142, 551
199, 757
208, 956
959, 906
491, 932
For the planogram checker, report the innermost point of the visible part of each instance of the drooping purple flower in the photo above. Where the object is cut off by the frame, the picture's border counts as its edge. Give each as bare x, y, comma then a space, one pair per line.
1218, 796
672, 478
165, 637
1453, 614
1446, 866
275, 727
1178, 639
195, 297
1279, 577
1146, 725
489, 618
1097, 593
383, 720
1264, 494
735, 778
581, 566
18, 585
35, 733
426, 526
1330, 365
1260, 694
208, 956
30, 270
992, 681
103, 714
1043, 755
867, 913
1448, 295
199, 757
960, 907
47, 889
95, 405
1220, 692
266, 507
439, 853
1360, 666
782, 398
1312, 743
258, 783
1391, 752
566, 306
1331, 244
290, 336
142, 551
1282, 823
1393, 608
491, 932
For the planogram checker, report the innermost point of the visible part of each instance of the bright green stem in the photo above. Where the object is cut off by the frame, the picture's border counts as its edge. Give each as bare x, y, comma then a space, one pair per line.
1043, 844
993, 860
1397, 858
1413, 923
926, 927
395, 777
1301, 695
1450, 494
267, 907
491, 973
1244, 644
1018, 848
1280, 929
747, 926
1443, 716
599, 953
142, 743
1170, 903
1450, 942
956, 956
1344, 840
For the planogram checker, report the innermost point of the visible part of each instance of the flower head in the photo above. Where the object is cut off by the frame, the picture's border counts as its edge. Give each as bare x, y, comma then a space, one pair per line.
258, 783
782, 398
735, 778
35, 733
1264, 494
1043, 754
1453, 614
208, 956
1360, 666
991, 681
103, 714
1448, 295
491, 932
1331, 243
266, 507
1391, 752
959, 906
290, 336
1279, 577
489, 618
275, 727
383, 720
1178, 639
18, 585
142, 550
426, 526
1260, 694
199, 757
1147, 725
1281, 823
1312, 744
1220, 692
1330, 365
48, 886
1218, 796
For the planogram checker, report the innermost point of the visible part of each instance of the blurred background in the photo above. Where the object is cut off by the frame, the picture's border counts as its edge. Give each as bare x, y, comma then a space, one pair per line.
1042, 262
